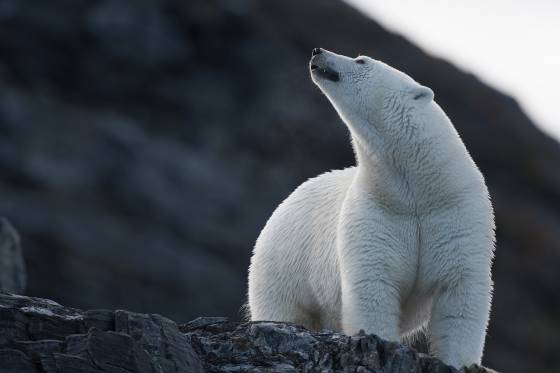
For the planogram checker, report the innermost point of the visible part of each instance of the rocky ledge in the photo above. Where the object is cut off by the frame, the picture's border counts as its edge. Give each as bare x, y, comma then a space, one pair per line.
39, 335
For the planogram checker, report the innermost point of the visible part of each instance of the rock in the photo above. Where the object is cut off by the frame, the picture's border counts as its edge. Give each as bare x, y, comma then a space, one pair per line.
61, 339
12, 267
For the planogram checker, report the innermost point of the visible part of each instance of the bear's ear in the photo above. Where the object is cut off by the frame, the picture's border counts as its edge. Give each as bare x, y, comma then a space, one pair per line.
421, 93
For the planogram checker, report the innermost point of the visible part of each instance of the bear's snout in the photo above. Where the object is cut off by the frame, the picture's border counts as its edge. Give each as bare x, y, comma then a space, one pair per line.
319, 66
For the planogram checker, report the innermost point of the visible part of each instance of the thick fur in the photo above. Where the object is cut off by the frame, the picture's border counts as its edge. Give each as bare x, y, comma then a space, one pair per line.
403, 241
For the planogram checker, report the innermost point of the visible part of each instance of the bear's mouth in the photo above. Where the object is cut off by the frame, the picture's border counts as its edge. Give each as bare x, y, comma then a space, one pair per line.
325, 72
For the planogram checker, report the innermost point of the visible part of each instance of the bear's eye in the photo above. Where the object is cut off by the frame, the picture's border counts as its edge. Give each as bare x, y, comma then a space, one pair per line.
361, 61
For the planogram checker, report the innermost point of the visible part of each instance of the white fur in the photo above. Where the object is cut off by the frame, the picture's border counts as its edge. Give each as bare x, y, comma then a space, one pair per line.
402, 241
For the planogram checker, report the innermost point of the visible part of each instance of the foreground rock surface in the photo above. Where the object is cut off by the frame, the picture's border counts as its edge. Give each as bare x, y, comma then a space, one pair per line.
39, 335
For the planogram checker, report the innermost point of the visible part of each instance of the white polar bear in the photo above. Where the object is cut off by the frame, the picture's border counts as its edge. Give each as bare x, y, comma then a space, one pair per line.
402, 241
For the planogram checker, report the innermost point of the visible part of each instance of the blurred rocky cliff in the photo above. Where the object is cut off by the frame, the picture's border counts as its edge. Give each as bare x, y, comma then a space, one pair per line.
143, 145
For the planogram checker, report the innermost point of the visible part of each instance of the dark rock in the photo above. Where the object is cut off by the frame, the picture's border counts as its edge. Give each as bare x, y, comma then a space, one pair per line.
156, 333
12, 267
54, 338
37, 350
151, 343
15, 361
65, 363
201, 322
100, 319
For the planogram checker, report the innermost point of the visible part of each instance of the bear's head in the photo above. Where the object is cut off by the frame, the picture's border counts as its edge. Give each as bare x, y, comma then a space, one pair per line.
375, 100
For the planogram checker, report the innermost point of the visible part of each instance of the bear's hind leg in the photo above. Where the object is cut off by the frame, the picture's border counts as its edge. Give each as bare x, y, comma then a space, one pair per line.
290, 313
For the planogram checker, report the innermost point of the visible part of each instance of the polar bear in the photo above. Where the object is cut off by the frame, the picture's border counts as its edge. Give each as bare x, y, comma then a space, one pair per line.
401, 242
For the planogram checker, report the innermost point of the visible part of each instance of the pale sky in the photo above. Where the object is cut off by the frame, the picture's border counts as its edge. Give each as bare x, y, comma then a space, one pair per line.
513, 45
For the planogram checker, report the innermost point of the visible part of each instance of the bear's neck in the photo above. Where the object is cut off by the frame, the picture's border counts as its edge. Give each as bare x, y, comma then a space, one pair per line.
380, 181
410, 185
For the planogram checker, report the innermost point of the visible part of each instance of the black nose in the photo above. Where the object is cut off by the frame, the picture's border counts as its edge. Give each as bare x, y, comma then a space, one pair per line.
316, 51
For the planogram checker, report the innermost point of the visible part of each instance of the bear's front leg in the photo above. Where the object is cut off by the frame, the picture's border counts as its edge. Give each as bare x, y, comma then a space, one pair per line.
374, 265
369, 303
369, 281
457, 259
458, 321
